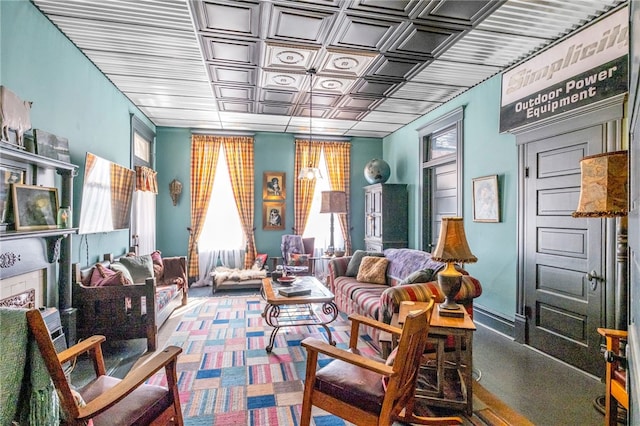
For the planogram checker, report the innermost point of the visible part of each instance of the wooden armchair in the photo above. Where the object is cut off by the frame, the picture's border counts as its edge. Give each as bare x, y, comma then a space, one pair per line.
366, 391
108, 400
616, 375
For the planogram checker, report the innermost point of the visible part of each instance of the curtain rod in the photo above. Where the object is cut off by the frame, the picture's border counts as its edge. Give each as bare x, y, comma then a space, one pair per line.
221, 132
325, 138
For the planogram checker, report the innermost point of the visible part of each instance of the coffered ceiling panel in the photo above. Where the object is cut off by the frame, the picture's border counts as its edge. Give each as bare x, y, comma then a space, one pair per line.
242, 64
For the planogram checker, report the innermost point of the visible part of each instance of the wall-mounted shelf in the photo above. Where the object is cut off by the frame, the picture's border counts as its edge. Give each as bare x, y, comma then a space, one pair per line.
12, 153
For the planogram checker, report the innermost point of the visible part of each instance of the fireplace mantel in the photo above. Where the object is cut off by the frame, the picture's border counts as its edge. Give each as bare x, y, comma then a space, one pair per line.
25, 251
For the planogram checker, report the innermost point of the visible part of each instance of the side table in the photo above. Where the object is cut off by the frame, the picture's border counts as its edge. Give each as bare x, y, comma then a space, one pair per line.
440, 328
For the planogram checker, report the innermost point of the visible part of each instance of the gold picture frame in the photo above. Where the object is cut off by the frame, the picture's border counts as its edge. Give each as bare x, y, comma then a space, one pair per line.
35, 207
273, 214
486, 199
273, 186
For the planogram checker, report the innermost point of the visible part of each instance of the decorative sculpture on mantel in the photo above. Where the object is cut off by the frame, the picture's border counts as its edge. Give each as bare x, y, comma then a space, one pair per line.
14, 115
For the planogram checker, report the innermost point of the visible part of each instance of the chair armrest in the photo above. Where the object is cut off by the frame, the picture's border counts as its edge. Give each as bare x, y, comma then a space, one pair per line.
337, 268
392, 297
80, 348
358, 319
316, 345
615, 334
131, 381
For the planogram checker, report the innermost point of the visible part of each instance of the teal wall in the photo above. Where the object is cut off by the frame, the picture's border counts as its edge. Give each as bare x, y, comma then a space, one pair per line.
71, 98
486, 152
273, 152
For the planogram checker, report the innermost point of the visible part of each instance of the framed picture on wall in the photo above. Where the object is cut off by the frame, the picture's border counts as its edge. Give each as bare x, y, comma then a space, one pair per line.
9, 174
486, 199
273, 214
35, 207
273, 186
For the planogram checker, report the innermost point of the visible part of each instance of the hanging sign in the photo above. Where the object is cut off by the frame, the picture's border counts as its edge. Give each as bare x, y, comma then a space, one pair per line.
586, 67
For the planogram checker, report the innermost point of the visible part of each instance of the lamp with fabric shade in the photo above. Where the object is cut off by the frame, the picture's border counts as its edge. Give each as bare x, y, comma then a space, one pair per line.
333, 202
604, 193
452, 247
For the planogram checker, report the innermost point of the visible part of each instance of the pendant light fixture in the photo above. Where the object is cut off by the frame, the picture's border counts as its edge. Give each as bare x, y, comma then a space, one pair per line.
310, 172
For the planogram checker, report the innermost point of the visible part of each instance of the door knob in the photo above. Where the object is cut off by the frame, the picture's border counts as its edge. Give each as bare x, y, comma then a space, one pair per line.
593, 275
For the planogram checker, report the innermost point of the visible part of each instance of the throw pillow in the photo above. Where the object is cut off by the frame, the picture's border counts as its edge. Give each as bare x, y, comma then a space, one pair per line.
373, 269
158, 265
119, 267
296, 259
103, 277
421, 276
261, 260
140, 267
354, 263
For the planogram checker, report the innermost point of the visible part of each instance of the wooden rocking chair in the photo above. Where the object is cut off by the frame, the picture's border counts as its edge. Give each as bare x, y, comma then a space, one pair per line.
108, 400
365, 391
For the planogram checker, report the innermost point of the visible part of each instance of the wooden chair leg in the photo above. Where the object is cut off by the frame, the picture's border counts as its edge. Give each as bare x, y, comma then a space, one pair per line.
309, 383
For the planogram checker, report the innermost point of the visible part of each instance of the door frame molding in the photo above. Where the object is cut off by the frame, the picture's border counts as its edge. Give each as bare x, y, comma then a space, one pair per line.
455, 116
609, 113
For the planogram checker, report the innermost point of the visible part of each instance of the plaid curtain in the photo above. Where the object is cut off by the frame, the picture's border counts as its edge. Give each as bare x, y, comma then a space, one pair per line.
89, 163
204, 157
240, 160
338, 158
146, 179
122, 182
307, 154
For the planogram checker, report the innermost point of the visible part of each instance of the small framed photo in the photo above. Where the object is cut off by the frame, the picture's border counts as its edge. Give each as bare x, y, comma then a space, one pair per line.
273, 214
486, 199
35, 207
9, 174
273, 186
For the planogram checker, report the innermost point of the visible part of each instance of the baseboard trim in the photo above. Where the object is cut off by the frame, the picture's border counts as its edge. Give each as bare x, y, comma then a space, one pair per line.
493, 320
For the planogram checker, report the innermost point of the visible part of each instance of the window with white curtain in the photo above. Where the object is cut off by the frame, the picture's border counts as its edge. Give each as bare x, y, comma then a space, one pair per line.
319, 224
222, 241
143, 208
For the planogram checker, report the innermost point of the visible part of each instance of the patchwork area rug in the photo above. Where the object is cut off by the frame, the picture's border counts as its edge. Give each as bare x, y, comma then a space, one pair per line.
227, 378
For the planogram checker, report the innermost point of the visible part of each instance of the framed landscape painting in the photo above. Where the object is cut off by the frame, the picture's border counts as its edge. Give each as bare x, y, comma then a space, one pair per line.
35, 207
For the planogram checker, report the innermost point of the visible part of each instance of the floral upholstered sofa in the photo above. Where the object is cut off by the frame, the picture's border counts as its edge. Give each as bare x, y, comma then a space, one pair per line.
410, 275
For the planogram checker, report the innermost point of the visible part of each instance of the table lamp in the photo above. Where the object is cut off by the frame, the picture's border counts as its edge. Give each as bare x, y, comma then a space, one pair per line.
452, 247
333, 202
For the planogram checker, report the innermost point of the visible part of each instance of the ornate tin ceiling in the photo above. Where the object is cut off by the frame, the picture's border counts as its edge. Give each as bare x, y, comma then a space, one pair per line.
241, 65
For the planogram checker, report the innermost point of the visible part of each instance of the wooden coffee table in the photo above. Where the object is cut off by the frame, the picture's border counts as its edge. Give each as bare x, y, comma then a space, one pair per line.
316, 308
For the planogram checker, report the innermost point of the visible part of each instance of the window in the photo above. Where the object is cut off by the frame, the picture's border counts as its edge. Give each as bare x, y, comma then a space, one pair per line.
319, 224
222, 227
143, 210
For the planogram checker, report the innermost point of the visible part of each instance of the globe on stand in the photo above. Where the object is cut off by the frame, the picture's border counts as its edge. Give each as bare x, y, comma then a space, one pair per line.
377, 171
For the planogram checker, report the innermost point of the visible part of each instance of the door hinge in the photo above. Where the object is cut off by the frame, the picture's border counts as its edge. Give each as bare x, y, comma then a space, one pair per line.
526, 172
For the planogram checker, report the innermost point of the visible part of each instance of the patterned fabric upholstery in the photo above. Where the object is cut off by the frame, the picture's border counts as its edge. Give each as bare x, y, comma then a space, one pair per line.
381, 301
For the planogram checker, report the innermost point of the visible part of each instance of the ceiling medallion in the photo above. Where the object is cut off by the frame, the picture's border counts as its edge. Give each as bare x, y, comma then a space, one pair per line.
289, 57
331, 84
345, 63
283, 80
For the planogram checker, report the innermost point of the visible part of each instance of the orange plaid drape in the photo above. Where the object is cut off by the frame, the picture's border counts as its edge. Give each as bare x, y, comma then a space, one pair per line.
307, 154
204, 157
122, 181
240, 160
146, 179
338, 158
